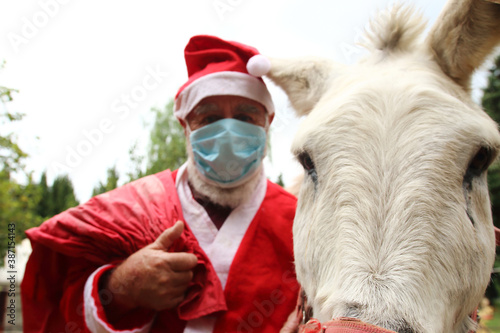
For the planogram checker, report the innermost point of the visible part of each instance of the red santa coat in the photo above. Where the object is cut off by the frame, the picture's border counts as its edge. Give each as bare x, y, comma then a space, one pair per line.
260, 292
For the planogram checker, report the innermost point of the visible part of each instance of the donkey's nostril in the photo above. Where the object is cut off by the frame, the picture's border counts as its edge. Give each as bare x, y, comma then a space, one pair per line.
353, 310
401, 326
406, 329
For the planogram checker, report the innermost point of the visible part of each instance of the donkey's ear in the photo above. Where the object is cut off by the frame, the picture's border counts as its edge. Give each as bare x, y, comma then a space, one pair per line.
304, 80
464, 35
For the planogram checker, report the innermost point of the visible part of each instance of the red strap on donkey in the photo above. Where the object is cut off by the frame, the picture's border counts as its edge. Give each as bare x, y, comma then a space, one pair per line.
341, 325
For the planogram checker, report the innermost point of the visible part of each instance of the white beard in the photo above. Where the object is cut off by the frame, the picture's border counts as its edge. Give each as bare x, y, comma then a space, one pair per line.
232, 196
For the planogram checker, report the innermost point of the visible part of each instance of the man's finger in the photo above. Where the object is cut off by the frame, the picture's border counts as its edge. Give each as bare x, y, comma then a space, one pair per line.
182, 261
168, 237
179, 282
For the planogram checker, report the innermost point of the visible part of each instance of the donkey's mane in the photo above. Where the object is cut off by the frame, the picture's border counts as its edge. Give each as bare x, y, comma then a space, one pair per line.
396, 29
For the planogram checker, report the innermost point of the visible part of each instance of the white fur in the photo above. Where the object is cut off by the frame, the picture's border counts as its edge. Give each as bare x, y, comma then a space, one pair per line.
384, 234
224, 196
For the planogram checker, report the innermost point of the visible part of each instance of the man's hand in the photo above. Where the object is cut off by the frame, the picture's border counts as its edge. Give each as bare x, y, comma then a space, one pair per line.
153, 278
292, 323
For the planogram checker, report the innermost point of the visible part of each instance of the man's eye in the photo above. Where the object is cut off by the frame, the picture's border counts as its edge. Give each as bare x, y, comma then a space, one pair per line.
244, 118
211, 119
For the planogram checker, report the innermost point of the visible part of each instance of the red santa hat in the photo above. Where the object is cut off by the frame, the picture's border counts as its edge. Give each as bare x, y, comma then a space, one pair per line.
219, 67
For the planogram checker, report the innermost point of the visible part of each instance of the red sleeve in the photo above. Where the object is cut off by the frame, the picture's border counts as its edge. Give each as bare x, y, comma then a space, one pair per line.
41, 291
72, 305
96, 298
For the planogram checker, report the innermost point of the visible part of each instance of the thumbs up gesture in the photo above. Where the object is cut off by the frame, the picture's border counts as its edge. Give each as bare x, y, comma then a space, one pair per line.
152, 277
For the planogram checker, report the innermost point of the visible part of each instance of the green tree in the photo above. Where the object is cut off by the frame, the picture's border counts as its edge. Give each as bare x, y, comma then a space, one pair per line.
17, 201
62, 195
111, 182
11, 155
166, 148
54, 198
491, 104
136, 163
280, 181
491, 94
43, 206
24, 203
17, 207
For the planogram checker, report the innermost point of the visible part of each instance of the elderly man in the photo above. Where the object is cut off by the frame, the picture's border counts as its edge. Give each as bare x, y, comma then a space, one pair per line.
124, 261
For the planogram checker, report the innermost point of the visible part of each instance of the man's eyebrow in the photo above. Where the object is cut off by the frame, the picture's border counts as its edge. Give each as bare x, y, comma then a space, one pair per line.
249, 108
205, 108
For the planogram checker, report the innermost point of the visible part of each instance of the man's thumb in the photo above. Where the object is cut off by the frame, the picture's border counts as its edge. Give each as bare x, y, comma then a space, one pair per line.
168, 237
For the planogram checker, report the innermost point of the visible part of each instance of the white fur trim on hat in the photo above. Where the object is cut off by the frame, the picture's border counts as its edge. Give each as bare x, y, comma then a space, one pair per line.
222, 83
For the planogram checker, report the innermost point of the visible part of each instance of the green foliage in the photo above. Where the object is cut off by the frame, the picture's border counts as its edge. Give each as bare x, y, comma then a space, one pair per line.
111, 182
280, 181
43, 207
25, 204
494, 187
166, 149
11, 155
62, 195
491, 104
136, 164
55, 198
17, 201
491, 96
17, 205
167, 146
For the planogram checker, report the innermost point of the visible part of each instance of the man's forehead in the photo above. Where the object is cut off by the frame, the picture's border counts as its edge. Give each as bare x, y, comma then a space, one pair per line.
213, 107
236, 103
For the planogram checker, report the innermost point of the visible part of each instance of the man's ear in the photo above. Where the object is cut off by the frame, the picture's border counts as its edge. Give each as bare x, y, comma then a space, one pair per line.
184, 125
271, 117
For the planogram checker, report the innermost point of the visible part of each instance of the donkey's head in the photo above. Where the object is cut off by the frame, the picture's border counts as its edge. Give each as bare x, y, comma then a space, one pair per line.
393, 223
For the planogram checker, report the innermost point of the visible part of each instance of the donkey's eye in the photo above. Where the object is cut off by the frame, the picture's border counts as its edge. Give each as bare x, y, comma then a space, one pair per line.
477, 166
480, 162
308, 165
306, 161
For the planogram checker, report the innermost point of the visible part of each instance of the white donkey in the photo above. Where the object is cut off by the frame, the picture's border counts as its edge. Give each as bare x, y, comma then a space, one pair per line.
394, 225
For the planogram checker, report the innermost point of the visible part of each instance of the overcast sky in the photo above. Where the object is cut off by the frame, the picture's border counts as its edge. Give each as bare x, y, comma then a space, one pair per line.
88, 71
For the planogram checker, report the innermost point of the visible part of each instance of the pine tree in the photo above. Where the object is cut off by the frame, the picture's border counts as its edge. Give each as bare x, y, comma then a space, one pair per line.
43, 206
491, 94
491, 104
111, 182
280, 181
62, 195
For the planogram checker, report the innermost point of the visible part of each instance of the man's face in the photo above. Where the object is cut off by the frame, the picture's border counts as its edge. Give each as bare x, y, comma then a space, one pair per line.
214, 108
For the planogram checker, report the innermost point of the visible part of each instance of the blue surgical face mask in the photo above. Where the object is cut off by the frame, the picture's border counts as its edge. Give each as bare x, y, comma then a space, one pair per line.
228, 151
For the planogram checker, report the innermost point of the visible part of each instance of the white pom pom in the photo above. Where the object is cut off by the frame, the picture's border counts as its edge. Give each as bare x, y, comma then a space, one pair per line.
258, 65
